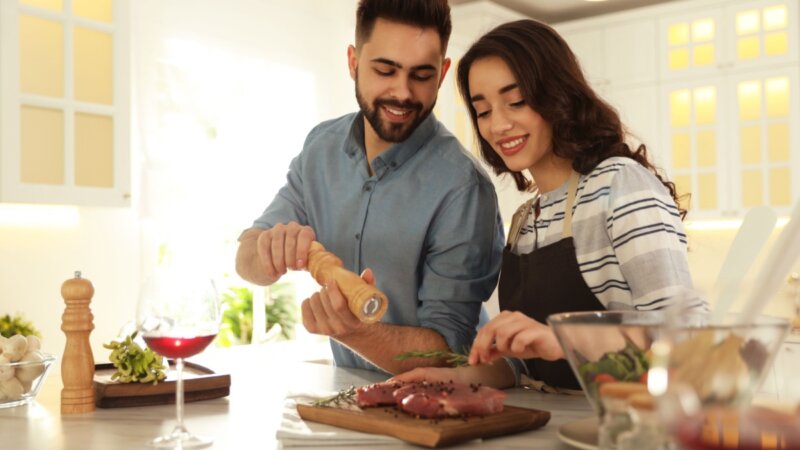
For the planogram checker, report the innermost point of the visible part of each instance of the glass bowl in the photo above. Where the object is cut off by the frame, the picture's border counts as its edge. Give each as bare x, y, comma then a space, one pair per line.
20, 381
715, 364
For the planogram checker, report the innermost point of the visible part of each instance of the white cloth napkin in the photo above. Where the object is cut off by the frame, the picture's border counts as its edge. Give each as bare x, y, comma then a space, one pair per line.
296, 432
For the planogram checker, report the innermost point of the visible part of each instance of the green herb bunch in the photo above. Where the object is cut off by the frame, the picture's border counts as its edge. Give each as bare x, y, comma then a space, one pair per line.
237, 317
9, 326
134, 363
452, 358
343, 397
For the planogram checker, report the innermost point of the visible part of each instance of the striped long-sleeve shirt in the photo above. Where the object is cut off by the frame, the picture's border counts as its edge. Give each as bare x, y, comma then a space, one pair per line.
629, 239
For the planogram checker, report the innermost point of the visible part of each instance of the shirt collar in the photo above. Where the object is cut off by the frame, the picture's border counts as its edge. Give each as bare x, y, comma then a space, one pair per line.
559, 193
398, 153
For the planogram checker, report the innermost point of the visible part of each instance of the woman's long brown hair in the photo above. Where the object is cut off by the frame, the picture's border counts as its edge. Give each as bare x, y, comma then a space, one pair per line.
586, 129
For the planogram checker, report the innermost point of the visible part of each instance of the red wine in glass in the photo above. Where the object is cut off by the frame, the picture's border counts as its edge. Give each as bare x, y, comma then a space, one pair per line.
178, 347
178, 317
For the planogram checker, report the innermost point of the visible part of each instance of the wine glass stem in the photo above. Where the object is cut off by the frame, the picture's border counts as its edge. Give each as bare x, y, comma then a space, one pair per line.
179, 395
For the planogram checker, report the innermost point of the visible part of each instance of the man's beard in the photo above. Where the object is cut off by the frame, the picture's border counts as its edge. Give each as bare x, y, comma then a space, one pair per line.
388, 131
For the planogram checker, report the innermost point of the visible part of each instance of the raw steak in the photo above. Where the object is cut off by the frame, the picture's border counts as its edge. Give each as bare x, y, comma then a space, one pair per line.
377, 394
437, 400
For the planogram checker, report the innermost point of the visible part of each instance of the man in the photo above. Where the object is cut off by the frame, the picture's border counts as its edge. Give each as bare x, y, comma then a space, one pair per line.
389, 189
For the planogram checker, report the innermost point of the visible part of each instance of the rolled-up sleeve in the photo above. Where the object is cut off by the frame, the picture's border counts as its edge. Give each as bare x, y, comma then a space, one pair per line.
461, 268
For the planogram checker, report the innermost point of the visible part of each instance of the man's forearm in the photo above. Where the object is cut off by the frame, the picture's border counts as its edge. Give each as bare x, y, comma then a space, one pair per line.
379, 343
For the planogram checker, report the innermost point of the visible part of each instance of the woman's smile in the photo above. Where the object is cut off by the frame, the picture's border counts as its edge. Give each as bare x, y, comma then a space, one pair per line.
511, 145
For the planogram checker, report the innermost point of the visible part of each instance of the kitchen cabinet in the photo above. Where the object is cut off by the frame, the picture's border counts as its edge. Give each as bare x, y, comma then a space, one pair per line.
64, 102
588, 45
638, 107
713, 94
728, 123
708, 37
696, 141
691, 43
614, 54
730, 106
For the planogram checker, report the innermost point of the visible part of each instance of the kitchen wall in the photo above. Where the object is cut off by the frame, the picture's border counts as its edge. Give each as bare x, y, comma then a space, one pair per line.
115, 247
257, 52
36, 259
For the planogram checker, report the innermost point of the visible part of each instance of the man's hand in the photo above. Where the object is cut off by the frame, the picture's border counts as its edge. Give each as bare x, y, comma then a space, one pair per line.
514, 334
284, 247
498, 375
434, 375
327, 312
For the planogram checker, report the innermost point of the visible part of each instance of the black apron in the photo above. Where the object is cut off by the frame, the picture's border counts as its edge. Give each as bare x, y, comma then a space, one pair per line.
543, 282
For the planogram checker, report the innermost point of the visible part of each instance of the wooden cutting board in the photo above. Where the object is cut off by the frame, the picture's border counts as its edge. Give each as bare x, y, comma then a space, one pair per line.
199, 383
429, 433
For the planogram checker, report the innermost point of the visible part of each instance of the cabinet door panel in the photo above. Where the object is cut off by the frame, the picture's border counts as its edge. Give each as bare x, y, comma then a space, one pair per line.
764, 154
691, 44
637, 62
588, 45
761, 32
638, 109
693, 143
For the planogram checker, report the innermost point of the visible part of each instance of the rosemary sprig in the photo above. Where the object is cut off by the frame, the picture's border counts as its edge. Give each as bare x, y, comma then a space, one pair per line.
452, 358
346, 396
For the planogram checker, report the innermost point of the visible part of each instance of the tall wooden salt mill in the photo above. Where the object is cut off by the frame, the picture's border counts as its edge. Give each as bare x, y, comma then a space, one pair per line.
77, 364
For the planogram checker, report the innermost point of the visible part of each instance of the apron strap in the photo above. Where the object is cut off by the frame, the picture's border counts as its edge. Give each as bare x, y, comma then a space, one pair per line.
573, 187
518, 220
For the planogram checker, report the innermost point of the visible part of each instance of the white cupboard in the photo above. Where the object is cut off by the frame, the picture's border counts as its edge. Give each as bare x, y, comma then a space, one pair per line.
64, 102
711, 87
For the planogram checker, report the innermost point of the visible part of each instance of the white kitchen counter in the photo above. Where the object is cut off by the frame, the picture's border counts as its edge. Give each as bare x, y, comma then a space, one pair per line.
260, 378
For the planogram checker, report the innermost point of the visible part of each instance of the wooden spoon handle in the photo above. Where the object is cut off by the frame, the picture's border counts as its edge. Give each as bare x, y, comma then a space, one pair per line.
365, 301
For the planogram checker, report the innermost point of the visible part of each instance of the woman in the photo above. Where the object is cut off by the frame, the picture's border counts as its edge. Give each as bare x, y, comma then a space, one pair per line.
602, 229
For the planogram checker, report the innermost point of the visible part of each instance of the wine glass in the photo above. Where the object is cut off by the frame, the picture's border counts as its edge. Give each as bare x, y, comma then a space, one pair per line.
178, 316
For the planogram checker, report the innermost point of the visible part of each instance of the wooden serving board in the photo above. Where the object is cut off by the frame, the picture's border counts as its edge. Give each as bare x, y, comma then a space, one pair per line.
427, 432
199, 383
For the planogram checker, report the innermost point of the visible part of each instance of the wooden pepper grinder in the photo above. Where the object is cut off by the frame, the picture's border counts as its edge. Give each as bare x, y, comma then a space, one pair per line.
77, 365
365, 301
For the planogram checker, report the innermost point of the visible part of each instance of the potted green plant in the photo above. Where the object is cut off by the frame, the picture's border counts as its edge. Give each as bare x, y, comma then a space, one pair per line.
237, 317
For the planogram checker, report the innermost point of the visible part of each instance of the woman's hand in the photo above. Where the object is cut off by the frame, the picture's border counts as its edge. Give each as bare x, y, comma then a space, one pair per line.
517, 335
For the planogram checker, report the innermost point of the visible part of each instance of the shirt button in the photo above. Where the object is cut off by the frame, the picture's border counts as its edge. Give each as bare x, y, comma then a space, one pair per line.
367, 188
544, 197
358, 236
393, 164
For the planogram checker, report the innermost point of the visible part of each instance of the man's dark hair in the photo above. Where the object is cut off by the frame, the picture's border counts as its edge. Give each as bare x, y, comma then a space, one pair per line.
418, 13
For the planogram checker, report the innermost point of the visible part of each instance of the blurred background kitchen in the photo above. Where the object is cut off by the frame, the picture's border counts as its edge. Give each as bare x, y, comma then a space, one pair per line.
132, 132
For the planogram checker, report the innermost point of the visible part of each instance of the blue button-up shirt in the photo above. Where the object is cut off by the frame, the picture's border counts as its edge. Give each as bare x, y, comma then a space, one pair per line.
427, 223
